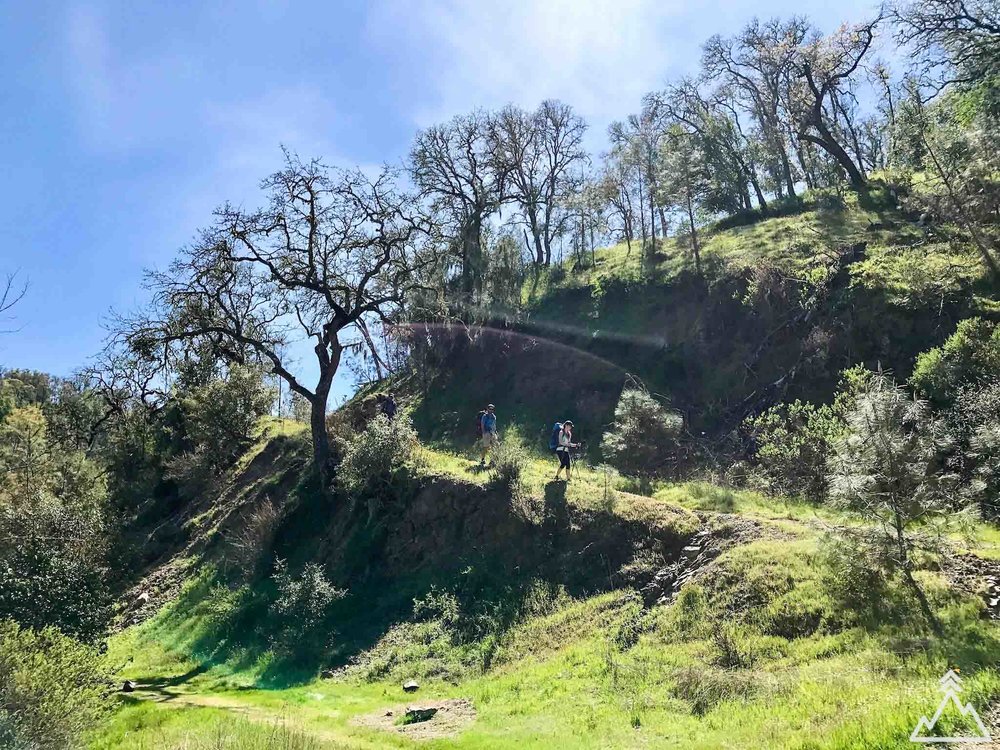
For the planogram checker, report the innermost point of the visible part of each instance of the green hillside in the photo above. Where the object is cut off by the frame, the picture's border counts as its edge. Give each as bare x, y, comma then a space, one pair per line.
680, 432
549, 614
786, 304
701, 616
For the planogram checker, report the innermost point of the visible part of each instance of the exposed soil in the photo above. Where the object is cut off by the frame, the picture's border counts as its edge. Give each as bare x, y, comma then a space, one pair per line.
718, 533
976, 576
449, 718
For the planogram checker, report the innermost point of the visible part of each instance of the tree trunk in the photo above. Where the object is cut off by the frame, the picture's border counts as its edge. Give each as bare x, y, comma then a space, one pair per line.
329, 363
761, 202
472, 258
786, 168
642, 212
925, 606
694, 233
536, 234
828, 143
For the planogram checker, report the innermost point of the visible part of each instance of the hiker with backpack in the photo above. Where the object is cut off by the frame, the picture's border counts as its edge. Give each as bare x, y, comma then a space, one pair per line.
561, 443
389, 407
487, 425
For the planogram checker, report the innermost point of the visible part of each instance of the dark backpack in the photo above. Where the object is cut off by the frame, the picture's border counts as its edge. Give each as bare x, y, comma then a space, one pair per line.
479, 423
554, 439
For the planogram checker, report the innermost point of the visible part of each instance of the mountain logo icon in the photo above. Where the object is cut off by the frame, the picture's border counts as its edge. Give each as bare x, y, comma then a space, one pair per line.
951, 686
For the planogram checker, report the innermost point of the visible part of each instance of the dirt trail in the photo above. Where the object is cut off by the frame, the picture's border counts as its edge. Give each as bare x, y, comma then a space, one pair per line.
178, 699
448, 717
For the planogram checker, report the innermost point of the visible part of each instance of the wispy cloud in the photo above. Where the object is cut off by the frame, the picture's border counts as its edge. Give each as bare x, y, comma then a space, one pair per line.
600, 56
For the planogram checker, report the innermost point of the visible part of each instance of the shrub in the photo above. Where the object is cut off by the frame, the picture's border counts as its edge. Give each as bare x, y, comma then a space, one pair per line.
791, 444
51, 688
251, 538
194, 472
974, 424
372, 458
887, 470
301, 606
643, 436
507, 463
221, 417
968, 356
739, 647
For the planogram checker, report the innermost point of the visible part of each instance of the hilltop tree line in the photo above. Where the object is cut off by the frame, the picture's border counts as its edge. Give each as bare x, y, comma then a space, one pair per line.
340, 258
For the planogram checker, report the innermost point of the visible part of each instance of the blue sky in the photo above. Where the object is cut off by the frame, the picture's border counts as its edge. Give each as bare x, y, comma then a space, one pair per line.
122, 125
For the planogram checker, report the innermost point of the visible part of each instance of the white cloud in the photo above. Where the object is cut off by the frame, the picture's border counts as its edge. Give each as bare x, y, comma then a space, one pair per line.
600, 56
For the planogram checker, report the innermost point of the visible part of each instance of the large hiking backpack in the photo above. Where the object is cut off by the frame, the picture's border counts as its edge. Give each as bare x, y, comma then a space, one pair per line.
554, 439
479, 423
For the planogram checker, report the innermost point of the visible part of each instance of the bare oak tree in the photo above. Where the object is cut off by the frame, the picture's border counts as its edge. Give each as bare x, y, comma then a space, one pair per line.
756, 65
538, 154
957, 41
453, 167
826, 66
331, 252
11, 292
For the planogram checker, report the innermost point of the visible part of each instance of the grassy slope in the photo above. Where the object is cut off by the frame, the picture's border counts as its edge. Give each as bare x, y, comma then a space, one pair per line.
730, 663
584, 331
765, 650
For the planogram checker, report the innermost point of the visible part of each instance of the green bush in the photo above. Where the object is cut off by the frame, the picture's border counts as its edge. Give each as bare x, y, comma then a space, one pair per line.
974, 424
791, 445
52, 505
221, 417
52, 688
508, 460
301, 607
373, 457
970, 355
643, 438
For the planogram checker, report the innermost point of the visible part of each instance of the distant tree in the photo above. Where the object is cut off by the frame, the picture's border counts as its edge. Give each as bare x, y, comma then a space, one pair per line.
11, 293
638, 140
887, 469
615, 191
330, 253
452, 165
826, 65
686, 181
726, 149
957, 41
52, 531
538, 155
757, 65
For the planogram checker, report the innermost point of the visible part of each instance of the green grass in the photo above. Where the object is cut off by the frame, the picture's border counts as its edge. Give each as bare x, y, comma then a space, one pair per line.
767, 649
773, 646
599, 673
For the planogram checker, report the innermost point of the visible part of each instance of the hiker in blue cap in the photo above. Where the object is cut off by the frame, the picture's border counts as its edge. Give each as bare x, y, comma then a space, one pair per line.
487, 431
563, 447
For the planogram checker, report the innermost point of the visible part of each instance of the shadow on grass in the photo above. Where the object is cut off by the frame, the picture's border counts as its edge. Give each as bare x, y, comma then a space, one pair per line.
480, 553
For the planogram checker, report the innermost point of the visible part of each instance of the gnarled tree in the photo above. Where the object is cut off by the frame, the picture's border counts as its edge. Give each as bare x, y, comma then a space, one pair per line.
538, 153
331, 252
826, 66
453, 168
